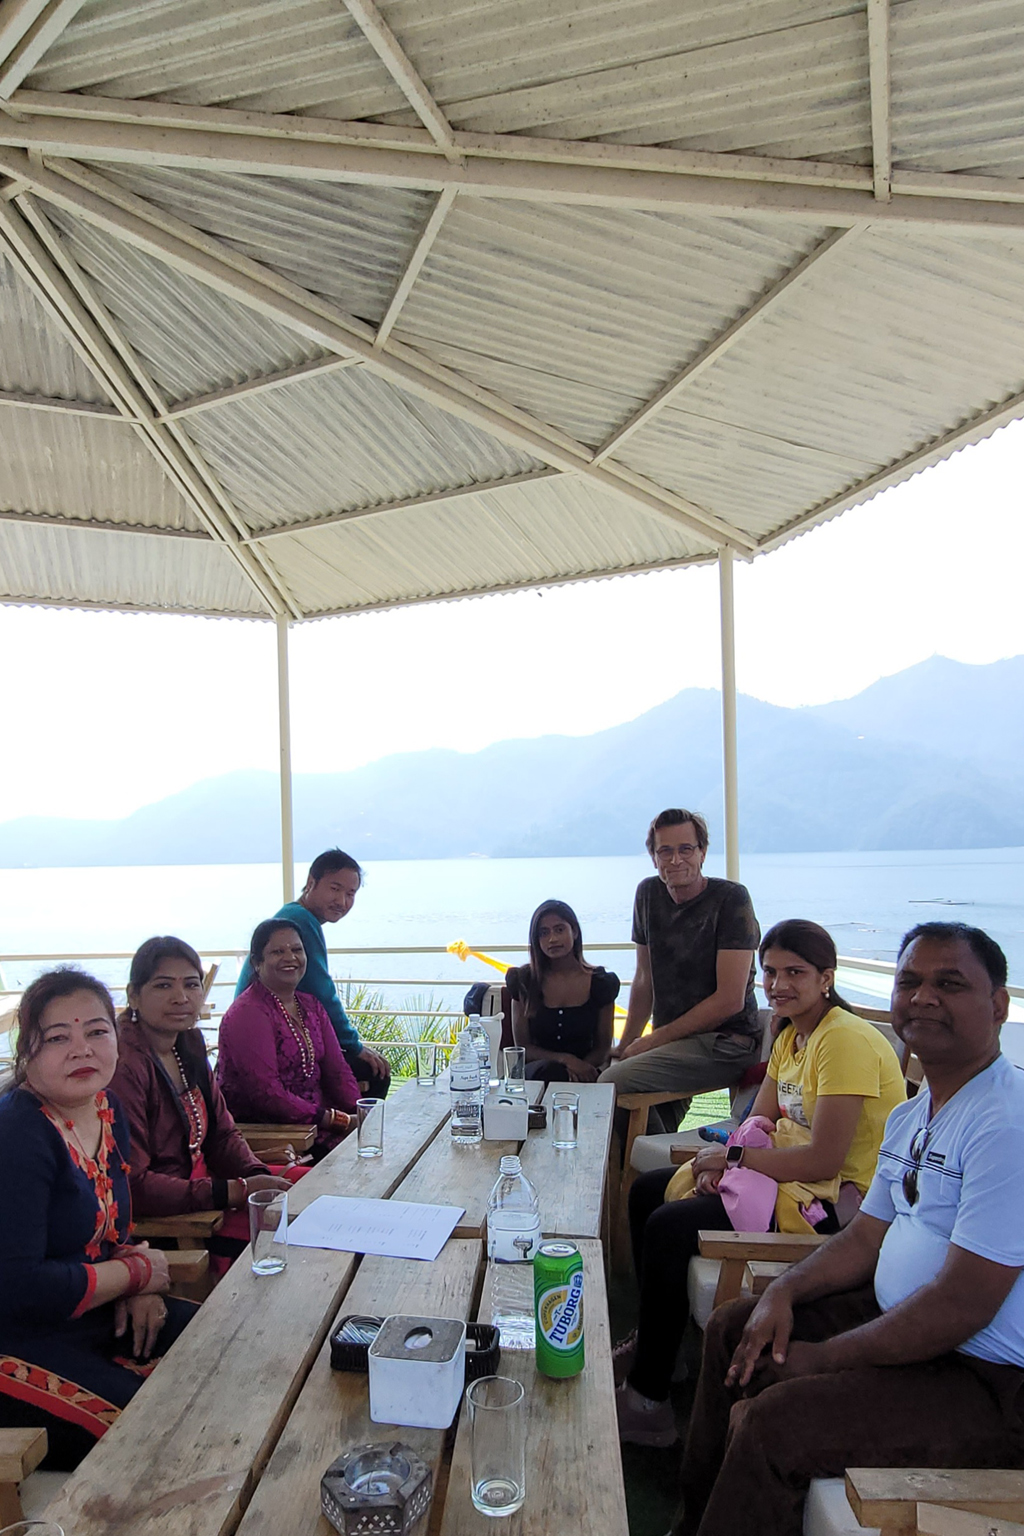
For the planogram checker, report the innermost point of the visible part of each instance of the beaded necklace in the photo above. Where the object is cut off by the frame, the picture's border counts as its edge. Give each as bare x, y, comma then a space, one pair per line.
195, 1109
300, 1034
96, 1169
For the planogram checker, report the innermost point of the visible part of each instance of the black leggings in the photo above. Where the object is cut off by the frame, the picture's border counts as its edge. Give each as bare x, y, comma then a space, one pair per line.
665, 1238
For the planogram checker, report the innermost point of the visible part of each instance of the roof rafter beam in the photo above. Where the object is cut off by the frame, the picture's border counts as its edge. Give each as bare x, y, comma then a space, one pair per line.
592, 183
879, 60
405, 371
723, 342
414, 265
258, 386
90, 525
975, 430
58, 406
173, 444
49, 281
48, 24
398, 65
432, 498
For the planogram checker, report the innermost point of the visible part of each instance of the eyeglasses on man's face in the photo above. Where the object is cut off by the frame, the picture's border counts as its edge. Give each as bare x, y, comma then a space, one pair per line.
918, 1147
670, 855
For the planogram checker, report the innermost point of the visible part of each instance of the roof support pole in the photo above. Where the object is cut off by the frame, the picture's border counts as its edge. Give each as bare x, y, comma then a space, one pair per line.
730, 774
284, 732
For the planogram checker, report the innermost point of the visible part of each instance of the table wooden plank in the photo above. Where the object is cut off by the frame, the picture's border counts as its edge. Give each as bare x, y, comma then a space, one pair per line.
184, 1455
333, 1410
571, 1183
450, 1174
573, 1465
412, 1118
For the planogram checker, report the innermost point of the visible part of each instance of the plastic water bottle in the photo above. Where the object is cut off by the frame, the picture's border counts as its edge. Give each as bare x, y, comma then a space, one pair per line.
467, 1100
482, 1043
513, 1237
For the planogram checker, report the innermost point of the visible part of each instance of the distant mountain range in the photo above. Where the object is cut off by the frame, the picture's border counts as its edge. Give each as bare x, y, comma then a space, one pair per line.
930, 758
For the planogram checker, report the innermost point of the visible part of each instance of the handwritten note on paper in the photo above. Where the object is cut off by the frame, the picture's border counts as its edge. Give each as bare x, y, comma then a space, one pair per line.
396, 1229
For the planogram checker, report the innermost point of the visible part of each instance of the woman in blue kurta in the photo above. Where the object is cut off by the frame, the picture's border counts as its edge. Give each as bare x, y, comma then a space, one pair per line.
82, 1316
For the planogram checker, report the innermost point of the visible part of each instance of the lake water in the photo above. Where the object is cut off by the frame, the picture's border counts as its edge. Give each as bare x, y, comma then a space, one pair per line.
866, 900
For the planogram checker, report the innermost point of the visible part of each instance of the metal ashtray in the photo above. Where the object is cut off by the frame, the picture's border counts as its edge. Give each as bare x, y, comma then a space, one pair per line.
376, 1488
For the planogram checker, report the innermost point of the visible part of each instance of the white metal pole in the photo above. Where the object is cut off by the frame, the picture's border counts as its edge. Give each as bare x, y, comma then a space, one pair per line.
730, 776
285, 744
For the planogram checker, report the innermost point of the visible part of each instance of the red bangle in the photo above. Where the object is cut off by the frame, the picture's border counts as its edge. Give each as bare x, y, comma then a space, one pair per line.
140, 1270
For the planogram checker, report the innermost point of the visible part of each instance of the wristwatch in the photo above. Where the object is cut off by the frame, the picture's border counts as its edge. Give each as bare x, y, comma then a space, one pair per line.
734, 1156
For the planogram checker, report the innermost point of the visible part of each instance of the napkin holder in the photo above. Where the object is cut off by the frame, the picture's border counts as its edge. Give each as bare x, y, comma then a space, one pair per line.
417, 1371
506, 1116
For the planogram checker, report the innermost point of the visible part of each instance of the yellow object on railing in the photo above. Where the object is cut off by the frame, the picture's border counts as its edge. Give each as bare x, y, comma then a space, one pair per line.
462, 949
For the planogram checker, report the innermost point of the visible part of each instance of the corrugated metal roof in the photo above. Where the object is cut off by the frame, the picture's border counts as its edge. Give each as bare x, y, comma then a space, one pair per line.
577, 315
609, 299
34, 357
340, 441
87, 467
348, 243
546, 531
856, 369
193, 340
82, 567
957, 95
264, 55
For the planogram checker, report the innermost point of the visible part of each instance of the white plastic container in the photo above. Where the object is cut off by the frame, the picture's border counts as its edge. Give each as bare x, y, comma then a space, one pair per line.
417, 1368
506, 1116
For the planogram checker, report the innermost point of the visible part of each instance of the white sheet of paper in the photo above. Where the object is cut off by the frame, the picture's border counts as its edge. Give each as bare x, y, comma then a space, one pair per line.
397, 1229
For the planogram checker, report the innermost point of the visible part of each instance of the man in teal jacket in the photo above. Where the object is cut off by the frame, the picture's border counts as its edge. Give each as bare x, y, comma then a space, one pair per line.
331, 887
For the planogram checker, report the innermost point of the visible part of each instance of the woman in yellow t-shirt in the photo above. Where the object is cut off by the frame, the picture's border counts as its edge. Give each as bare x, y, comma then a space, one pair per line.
831, 1073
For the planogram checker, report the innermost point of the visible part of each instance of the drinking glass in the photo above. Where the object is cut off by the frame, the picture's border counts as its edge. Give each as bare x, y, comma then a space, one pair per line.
426, 1065
371, 1127
515, 1068
497, 1422
268, 1230
565, 1120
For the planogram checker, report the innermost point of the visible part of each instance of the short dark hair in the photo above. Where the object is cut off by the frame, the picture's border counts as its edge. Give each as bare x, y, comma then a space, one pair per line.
675, 818
981, 945
46, 989
264, 932
149, 956
330, 863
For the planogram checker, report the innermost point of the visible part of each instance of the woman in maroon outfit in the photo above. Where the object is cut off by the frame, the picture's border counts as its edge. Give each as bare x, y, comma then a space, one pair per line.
186, 1154
279, 1058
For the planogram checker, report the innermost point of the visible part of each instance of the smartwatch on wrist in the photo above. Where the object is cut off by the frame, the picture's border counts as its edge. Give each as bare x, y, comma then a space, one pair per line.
734, 1156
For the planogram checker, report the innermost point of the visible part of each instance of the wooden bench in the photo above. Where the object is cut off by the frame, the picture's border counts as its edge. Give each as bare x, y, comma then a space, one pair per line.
887, 1498
21, 1451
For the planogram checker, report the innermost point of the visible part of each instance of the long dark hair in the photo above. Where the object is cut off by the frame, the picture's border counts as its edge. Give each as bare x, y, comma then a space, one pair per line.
812, 943
539, 962
46, 989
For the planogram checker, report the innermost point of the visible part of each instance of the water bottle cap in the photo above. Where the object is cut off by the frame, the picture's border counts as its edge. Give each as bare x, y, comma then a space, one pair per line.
510, 1164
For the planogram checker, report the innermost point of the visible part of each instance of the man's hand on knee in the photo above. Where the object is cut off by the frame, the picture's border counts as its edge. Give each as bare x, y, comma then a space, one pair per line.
768, 1328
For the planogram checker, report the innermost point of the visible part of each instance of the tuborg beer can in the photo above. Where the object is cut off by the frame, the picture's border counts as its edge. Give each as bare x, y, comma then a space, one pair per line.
558, 1293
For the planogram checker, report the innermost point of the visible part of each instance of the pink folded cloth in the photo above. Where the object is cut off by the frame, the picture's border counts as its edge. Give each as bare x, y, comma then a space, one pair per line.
749, 1197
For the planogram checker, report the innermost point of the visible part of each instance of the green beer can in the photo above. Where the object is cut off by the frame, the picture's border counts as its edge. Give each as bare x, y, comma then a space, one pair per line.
558, 1296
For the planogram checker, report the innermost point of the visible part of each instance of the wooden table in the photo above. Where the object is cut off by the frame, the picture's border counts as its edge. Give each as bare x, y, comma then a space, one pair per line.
236, 1426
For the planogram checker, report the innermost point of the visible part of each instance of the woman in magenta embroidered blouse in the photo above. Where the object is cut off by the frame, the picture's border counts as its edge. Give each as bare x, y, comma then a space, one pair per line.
279, 1060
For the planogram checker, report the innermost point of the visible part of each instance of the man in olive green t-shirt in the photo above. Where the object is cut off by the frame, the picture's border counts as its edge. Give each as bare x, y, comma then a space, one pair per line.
695, 942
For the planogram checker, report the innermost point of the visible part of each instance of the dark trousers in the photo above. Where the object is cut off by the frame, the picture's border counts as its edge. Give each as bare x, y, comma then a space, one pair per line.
372, 1085
665, 1238
750, 1455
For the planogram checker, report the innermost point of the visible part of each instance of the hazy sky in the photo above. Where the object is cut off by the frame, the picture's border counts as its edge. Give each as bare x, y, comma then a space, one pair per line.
106, 712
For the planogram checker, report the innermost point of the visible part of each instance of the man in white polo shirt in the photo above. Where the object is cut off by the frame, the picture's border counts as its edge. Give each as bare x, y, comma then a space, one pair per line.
899, 1342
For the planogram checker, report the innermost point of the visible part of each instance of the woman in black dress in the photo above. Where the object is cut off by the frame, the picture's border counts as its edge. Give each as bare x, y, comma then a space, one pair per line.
562, 1008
